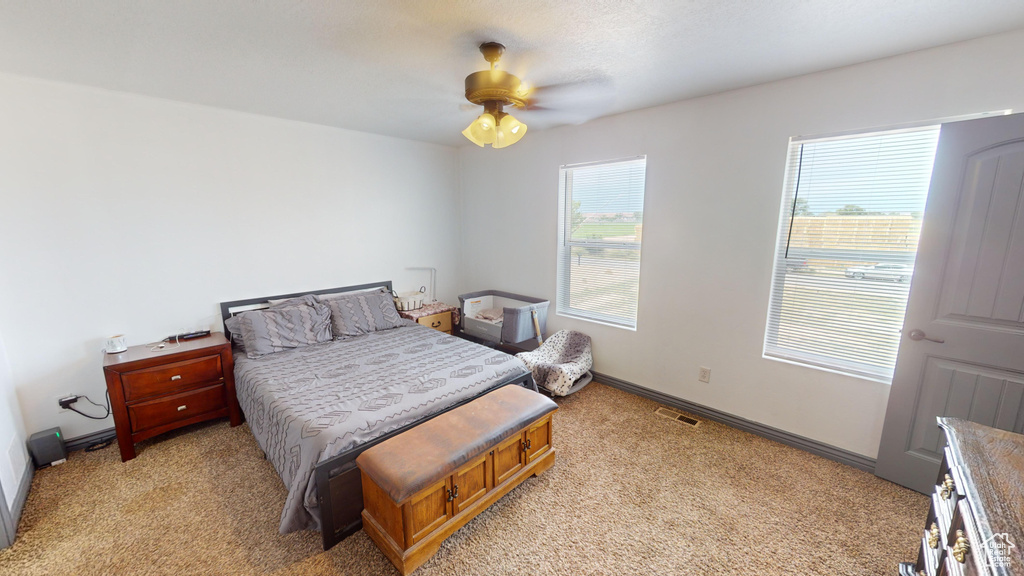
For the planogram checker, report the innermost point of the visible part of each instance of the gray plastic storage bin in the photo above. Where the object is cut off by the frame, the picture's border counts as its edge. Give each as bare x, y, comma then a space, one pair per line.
515, 325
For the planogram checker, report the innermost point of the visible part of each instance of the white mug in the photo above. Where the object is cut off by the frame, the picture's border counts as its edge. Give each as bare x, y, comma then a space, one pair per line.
116, 344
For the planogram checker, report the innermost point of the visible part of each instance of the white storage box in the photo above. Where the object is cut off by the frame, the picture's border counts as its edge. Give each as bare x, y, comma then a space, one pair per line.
515, 324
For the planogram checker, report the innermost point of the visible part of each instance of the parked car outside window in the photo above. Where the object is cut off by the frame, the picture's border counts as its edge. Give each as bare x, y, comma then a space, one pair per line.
893, 272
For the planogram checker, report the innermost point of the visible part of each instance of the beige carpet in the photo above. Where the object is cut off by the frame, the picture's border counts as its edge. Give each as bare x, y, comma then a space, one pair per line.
630, 493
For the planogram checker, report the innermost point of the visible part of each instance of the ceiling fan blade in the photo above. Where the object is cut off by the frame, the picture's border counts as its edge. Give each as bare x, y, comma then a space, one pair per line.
571, 102
597, 87
590, 98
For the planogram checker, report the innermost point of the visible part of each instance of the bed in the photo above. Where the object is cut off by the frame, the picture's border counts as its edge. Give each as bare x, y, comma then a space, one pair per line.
314, 409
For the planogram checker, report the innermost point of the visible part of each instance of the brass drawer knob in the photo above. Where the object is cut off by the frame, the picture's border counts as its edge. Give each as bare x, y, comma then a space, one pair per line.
933, 536
948, 487
961, 547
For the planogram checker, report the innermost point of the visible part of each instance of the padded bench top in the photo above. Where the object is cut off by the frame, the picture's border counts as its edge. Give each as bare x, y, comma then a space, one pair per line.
411, 461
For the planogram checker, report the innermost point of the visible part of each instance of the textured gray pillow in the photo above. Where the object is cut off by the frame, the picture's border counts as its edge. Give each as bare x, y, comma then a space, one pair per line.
283, 328
307, 299
361, 313
235, 329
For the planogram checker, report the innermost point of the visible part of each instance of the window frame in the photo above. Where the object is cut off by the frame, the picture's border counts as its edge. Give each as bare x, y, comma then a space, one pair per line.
783, 251
563, 275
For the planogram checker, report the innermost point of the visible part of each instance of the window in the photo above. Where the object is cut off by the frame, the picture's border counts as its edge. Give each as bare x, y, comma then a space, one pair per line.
851, 216
600, 225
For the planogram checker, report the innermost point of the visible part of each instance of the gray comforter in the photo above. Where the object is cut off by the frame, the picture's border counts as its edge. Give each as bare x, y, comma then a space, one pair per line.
309, 404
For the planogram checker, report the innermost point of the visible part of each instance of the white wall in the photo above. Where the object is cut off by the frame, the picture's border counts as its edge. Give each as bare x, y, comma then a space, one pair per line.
714, 183
13, 454
128, 214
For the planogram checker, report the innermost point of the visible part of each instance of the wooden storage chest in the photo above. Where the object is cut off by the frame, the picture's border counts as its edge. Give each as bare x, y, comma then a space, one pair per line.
423, 485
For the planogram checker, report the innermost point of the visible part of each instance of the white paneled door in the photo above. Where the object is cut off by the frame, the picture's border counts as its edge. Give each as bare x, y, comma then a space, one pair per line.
962, 351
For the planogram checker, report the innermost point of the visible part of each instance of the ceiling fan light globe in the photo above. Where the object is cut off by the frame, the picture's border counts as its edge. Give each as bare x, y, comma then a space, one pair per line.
509, 131
481, 131
468, 133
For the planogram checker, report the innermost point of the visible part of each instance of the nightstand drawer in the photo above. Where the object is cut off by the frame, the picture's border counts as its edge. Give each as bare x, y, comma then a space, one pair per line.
442, 321
168, 378
171, 409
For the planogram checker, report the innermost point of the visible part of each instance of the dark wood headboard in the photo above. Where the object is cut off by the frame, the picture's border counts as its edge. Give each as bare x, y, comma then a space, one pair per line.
228, 309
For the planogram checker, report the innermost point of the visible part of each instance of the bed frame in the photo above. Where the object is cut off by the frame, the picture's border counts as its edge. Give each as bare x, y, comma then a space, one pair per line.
338, 483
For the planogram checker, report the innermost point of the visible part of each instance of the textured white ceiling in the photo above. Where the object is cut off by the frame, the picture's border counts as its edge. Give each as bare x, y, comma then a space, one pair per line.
397, 67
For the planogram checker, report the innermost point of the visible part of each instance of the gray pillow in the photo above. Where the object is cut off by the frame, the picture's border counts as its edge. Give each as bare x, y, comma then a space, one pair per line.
306, 299
232, 324
283, 328
360, 313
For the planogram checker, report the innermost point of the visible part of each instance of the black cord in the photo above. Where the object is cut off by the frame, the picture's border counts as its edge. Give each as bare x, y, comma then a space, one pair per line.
93, 403
107, 408
796, 194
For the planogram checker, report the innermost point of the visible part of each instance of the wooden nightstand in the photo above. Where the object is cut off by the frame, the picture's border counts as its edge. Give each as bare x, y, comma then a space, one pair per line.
155, 392
438, 315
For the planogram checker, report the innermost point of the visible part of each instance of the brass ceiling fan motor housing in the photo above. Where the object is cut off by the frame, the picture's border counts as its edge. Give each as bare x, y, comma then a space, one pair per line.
494, 85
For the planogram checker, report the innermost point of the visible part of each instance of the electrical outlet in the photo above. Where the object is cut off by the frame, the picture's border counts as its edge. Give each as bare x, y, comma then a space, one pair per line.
66, 399
704, 374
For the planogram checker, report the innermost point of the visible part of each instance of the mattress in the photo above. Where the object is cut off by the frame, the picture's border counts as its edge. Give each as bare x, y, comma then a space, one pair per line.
307, 405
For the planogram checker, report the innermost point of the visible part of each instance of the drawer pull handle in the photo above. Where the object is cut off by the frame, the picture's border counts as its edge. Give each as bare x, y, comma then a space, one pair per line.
435, 324
933, 536
182, 407
948, 486
450, 496
455, 494
176, 377
961, 547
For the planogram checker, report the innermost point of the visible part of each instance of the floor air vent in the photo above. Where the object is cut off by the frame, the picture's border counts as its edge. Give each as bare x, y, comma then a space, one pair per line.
673, 415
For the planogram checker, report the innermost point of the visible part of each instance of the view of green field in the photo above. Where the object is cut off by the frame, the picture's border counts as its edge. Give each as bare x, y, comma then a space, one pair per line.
602, 230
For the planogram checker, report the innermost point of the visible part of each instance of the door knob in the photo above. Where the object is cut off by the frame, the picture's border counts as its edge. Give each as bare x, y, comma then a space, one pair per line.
918, 335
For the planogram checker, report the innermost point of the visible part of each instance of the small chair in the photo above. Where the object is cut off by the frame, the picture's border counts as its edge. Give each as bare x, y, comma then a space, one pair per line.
562, 364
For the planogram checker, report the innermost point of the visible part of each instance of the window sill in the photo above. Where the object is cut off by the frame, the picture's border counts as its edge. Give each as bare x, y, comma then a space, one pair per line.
878, 379
594, 320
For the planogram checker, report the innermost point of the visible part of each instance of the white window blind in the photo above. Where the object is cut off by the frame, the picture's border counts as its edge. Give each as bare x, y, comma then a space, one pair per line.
851, 216
600, 227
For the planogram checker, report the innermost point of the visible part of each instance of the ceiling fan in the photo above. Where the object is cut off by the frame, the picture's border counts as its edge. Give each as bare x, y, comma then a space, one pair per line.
494, 89
572, 101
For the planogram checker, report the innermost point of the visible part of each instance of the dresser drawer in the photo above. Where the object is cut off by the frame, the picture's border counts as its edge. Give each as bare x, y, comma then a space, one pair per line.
442, 321
171, 409
169, 378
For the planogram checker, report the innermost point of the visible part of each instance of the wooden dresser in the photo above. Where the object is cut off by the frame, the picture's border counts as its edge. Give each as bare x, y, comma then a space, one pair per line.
155, 391
975, 524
